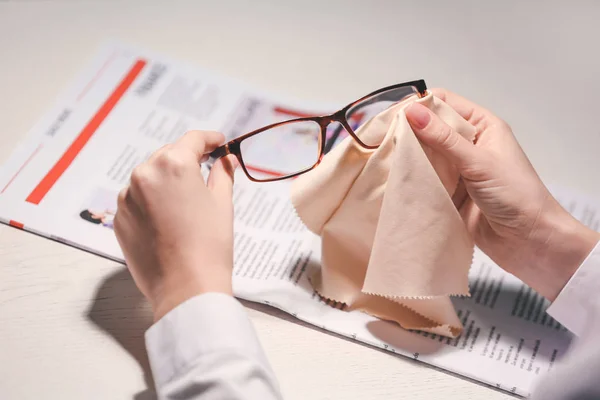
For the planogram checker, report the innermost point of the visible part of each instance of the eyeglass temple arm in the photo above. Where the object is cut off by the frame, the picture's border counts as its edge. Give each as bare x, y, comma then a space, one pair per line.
217, 153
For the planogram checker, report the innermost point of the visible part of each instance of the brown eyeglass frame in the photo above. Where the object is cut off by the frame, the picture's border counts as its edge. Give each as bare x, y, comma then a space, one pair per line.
233, 146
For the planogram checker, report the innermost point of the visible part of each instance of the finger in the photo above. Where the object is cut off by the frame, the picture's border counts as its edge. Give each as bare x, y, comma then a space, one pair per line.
460, 194
121, 210
473, 218
126, 209
434, 132
471, 112
200, 142
122, 202
144, 180
220, 180
126, 203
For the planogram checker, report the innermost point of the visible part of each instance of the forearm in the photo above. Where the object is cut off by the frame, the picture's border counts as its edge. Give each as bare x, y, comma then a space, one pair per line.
206, 348
560, 244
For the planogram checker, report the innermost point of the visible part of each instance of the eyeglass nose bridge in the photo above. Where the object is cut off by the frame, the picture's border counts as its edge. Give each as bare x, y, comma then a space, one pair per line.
338, 116
325, 121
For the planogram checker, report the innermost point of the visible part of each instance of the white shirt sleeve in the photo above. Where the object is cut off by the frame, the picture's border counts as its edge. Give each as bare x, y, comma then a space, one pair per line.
579, 300
577, 307
206, 348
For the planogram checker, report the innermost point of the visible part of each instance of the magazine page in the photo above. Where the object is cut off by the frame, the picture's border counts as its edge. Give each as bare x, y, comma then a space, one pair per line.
508, 342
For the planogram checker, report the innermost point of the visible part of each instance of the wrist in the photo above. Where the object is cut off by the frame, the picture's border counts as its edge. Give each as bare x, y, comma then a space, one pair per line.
561, 244
178, 288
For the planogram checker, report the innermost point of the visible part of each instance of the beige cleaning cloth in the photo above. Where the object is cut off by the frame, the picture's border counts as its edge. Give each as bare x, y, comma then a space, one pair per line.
393, 243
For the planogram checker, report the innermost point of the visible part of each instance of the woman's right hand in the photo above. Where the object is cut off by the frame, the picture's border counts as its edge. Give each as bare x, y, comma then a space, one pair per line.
510, 213
176, 232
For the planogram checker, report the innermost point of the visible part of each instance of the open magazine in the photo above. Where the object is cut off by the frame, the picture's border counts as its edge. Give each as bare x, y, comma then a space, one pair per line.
62, 182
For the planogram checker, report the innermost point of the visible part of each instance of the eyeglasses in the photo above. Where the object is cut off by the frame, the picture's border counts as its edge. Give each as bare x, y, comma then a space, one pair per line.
286, 149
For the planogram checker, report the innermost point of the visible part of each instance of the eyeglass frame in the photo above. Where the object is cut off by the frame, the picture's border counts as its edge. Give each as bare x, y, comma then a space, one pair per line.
233, 146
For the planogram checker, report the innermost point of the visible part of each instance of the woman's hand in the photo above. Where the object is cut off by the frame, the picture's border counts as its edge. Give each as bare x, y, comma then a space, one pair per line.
176, 232
510, 213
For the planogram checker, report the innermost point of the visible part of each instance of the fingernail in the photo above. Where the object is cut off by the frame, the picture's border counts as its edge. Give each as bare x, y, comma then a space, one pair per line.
418, 116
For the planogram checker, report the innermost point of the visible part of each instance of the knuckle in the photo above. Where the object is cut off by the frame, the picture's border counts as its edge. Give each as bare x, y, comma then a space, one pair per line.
117, 223
189, 134
121, 198
191, 137
163, 149
503, 125
141, 176
118, 220
204, 134
480, 169
447, 138
171, 160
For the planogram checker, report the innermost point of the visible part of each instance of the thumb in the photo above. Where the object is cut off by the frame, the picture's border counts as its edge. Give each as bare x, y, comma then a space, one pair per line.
220, 180
438, 135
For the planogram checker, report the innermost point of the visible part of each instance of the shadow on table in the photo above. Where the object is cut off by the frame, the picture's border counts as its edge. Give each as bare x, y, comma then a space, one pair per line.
120, 310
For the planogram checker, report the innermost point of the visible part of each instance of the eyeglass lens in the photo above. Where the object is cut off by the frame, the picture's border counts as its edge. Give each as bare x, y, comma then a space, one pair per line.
358, 115
283, 150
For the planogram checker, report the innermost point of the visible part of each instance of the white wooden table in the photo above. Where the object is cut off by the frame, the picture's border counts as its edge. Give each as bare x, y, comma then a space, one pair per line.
72, 324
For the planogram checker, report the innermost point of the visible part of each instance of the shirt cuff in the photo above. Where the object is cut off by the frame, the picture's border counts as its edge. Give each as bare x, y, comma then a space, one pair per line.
578, 301
204, 324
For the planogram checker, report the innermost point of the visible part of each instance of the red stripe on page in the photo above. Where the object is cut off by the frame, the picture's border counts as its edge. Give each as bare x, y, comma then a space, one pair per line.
16, 224
292, 113
22, 167
36, 196
264, 171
